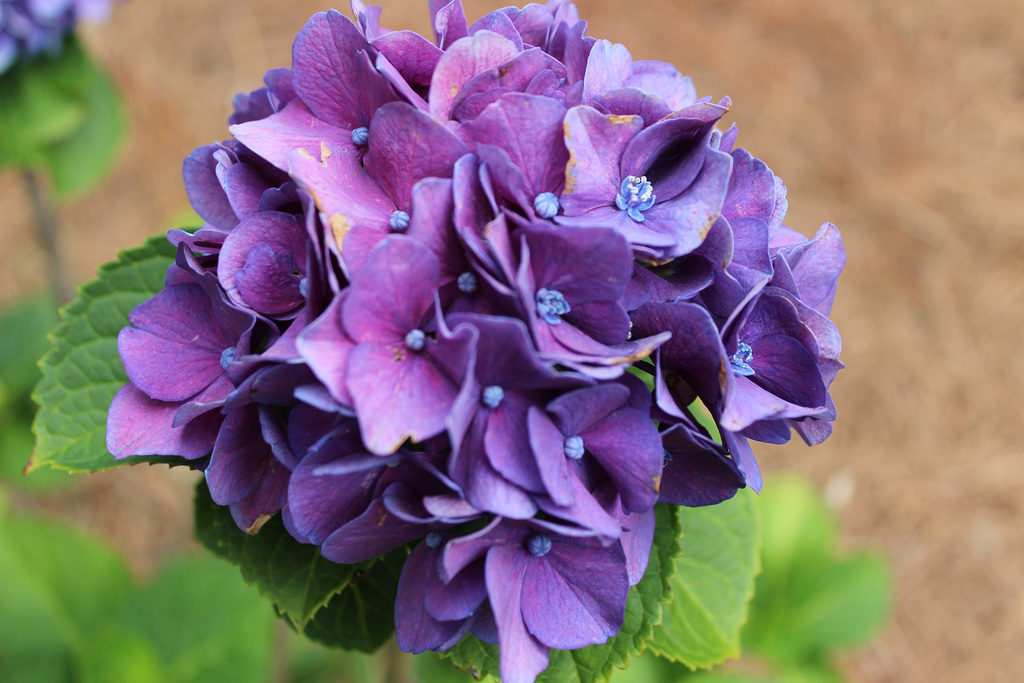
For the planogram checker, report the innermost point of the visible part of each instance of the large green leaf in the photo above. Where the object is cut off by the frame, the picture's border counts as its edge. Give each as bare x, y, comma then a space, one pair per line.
597, 662
809, 600
63, 114
713, 584
292, 575
82, 372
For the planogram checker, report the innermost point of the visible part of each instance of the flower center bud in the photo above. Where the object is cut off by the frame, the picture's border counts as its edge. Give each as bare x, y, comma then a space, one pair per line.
360, 136
468, 283
741, 360
433, 539
492, 396
635, 196
574, 447
416, 340
399, 221
546, 204
226, 356
550, 305
538, 545
304, 287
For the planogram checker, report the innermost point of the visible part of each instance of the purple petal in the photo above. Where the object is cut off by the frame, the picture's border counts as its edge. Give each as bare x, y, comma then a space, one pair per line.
522, 657
407, 145
295, 127
139, 425
324, 58
460, 62
575, 595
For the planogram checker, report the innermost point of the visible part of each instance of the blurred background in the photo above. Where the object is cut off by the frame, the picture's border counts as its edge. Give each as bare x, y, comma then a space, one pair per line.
900, 121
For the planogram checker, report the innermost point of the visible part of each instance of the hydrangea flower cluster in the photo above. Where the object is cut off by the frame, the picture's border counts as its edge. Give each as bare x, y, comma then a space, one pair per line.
30, 27
471, 294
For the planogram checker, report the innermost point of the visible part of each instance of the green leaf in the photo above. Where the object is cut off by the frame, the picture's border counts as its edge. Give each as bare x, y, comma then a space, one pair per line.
222, 630
714, 581
292, 575
809, 600
596, 663
362, 616
82, 371
62, 113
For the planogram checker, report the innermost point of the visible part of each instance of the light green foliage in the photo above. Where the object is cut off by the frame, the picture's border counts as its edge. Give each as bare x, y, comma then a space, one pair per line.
714, 581
809, 599
82, 372
63, 115
71, 612
719, 553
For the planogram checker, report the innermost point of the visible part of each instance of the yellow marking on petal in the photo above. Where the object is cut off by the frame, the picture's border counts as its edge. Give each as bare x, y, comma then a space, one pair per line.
325, 152
570, 166
258, 524
340, 228
301, 151
656, 480
399, 354
454, 90
619, 119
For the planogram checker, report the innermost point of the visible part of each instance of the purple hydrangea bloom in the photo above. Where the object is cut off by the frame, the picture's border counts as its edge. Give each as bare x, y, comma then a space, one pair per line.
433, 275
32, 27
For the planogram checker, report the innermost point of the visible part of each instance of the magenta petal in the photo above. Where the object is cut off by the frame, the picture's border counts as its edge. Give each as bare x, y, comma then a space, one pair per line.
407, 145
507, 445
294, 127
371, 534
392, 293
173, 350
460, 597
416, 630
595, 144
139, 425
463, 60
325, 346
320, 503
204, 189
548, 445
608, 67
522, 656
324, 68
241, 458
412, 55
575, 595
529, 129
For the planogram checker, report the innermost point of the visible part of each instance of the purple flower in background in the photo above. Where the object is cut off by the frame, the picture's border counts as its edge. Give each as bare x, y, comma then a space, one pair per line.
32, 27
468, 295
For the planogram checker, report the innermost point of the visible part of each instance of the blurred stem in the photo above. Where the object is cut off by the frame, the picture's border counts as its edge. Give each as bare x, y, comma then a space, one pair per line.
397, 664
46, 228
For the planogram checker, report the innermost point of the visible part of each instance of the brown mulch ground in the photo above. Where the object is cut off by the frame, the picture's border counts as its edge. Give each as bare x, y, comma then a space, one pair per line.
900, 121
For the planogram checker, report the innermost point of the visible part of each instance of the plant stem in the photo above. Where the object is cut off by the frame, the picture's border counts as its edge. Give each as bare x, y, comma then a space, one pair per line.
46, 230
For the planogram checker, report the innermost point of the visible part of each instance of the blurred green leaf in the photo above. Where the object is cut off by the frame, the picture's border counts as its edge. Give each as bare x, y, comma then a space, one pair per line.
23, 328
117, 654
714, 582
58, 587
597, 662
808, 600
62, 113
82, 371
203, 624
